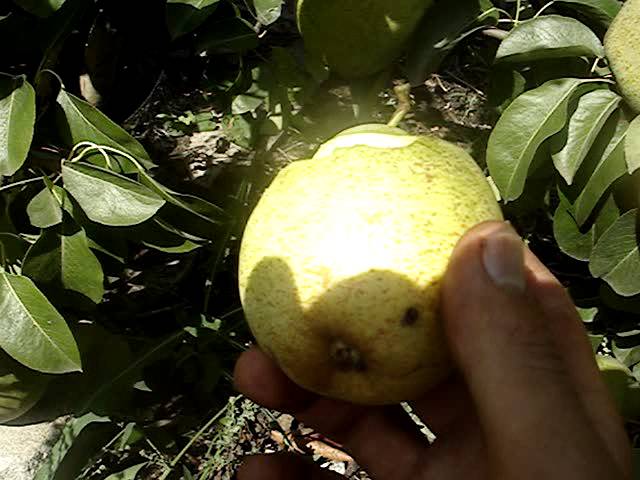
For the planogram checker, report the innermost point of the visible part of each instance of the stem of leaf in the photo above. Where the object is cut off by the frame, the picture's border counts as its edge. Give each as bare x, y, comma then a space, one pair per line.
3, 257
103, 149
544, 8
20, 183
499, 10
198, 434
496, 33
50, 72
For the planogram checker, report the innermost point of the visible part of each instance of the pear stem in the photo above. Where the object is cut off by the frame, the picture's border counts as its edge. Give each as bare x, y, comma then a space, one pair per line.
402, 92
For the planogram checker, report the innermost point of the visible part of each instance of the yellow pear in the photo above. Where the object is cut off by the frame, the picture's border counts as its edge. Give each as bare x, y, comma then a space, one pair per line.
342, 258
357, 38
622, 46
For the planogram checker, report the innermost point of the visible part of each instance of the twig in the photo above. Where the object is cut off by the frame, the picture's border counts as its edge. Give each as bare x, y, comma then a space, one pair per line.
186, 448
20, 183
402, 92
496, 33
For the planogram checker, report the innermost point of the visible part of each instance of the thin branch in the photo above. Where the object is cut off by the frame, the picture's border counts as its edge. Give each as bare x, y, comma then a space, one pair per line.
20, 183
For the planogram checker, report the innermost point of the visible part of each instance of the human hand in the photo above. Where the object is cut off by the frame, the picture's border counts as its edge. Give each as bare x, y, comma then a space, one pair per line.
527, 401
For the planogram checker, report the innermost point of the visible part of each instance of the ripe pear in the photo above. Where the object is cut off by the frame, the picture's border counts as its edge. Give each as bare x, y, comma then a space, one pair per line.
342, 258
622, 46
357, 38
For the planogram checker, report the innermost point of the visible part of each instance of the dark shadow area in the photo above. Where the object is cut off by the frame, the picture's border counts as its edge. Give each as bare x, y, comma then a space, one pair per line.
373, 335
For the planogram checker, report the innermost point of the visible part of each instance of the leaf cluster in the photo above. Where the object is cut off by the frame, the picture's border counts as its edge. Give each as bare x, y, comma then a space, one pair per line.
80, 196
576, 133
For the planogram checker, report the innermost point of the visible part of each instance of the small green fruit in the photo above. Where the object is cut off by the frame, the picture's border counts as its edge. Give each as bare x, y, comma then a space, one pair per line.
341, 262
357, 38
622, 46
20, 388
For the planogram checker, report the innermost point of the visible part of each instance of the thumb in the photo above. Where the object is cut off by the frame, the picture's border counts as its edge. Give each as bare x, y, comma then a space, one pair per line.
501, 342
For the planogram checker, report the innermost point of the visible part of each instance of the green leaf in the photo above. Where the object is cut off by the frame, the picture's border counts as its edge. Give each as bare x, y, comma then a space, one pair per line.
529, 120
616, 256
607, 216
40, 8
20, 388
439, 32
58, 452
572, 146
198, 207
619, 303
603, 11
109, 198
131, 435
608, 154
184, 16
505, 86
233, 35
99, 237
239, 130
84, 122
250, 100
159, 236
622, 385
587, 315
549, 36
268, 11
628, 356
34, 333
595, 341
61, 257
632, 146
17, 121
128, 473
571, 239
45, 209
12, 248
542, 71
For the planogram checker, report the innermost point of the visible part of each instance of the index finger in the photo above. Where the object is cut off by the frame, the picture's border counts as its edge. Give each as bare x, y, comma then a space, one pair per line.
570, 336
503, 344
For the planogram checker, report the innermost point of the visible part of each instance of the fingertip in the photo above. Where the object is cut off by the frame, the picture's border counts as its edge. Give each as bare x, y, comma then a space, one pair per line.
466, 271
257, 376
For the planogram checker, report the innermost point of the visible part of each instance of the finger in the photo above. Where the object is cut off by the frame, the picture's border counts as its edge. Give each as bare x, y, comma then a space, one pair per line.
460, 454
383, 439
442, 407
501, 341
258, 377
570, 336
282, 466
